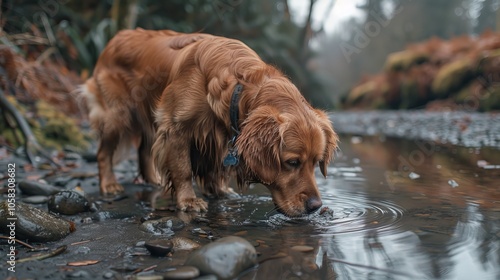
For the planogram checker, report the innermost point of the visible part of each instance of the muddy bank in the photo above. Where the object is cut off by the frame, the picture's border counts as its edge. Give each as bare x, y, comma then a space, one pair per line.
457, 128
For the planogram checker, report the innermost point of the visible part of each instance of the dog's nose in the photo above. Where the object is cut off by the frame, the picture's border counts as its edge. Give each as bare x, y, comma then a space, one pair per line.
313, 204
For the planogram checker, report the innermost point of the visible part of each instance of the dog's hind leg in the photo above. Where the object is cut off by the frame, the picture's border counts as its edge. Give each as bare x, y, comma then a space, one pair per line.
107, 179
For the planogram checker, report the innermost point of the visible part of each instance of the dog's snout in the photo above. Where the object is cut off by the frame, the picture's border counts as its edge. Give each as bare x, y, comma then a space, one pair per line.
313, 204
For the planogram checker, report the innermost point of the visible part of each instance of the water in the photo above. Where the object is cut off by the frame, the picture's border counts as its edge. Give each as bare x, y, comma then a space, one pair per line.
392, 209
382, 221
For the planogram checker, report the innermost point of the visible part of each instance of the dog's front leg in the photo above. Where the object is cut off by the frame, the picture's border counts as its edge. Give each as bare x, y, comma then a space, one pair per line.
178, 165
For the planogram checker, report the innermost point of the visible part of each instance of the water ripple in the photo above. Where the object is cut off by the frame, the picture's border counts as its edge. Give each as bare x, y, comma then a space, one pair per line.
349, 213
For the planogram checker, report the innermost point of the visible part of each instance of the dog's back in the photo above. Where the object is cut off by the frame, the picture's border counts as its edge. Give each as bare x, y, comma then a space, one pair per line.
128, 80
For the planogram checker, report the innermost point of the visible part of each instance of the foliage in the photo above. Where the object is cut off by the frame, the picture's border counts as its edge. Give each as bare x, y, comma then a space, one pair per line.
82, 28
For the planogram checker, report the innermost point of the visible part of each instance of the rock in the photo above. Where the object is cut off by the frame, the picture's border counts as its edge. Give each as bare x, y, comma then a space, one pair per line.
68, 203
182, 272
159, 247
36, 188
163, 226
226, 258
36, 199
403, 60
453, 76
34, 224
108, 275
184, 244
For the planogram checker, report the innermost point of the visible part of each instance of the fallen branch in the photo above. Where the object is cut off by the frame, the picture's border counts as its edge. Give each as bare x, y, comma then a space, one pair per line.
54, 253
18, 241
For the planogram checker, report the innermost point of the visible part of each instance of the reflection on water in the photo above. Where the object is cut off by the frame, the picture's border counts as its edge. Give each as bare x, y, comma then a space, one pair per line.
390, 213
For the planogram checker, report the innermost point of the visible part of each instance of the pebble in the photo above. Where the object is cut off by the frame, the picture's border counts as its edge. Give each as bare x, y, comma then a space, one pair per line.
149, 277
184, 244
163, 226
80, 274
182, 272
28, 187
452, 183
413, 175
68, 203
159, 247
36, 199
108, 275
226, 258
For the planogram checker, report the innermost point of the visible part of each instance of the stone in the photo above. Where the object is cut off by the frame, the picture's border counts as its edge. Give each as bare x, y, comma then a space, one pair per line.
159, 247
182, 272
226, 258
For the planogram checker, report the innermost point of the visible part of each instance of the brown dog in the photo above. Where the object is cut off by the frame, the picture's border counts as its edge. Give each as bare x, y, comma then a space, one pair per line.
206, 107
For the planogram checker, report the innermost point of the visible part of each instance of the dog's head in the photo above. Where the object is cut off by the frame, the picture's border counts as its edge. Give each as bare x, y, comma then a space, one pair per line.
282, 149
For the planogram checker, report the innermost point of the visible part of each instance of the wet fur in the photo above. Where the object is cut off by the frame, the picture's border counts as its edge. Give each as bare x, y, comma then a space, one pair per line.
171, 92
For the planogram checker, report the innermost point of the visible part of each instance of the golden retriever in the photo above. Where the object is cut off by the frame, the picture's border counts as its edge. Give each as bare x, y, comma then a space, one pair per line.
206, 107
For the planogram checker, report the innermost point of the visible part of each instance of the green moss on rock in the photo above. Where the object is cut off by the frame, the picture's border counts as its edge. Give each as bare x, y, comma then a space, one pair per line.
453, 77
402, 61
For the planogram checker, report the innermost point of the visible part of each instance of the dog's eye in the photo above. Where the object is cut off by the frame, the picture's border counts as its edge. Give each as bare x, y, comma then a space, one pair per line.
293, 163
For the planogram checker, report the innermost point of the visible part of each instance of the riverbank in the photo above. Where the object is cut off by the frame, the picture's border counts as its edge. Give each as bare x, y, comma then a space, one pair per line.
467, 129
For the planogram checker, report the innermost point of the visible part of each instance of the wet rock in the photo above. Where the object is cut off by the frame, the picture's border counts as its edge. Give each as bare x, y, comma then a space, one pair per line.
114, 214
150, 216
163, 226
36, 199
108, 275
68, 203
159, 247
80, 274
182, 272
184, 244
89, 157
207, 277
149, 277
452, 183
226, 258
36, 188
33, 223
72, 156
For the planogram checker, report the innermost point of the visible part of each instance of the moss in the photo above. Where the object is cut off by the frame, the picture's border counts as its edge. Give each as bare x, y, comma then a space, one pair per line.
491, 100
57, 129
358, 93
452, 77
402, 61
52, 128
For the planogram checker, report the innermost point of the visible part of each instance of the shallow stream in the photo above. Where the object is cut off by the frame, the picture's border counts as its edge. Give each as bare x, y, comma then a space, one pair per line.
392, 209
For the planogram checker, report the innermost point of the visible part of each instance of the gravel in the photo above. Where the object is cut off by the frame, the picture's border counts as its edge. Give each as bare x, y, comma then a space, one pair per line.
457, 128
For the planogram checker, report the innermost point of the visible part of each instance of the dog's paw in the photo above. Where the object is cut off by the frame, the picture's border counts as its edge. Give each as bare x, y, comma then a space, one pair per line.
192, 204
112, 188
231, 194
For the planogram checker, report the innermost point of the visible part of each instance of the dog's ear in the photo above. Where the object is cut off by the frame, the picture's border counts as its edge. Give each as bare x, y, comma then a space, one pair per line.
259, 143
331, 141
